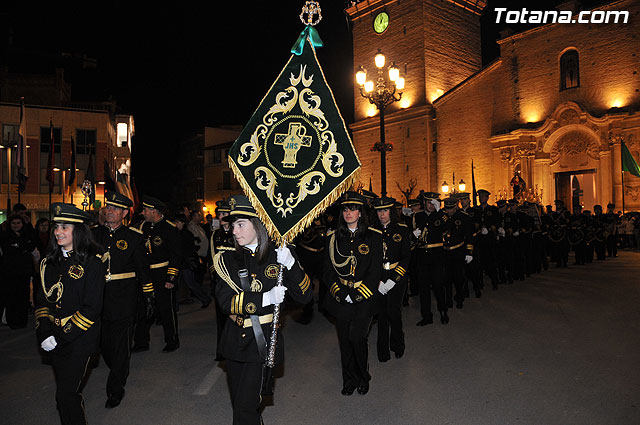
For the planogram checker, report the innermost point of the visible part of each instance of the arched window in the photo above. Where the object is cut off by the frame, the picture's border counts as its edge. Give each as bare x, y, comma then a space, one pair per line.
569, 70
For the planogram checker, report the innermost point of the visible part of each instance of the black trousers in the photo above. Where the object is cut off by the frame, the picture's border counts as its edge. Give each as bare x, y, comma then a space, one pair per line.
612, 247
354, 350
454, 275
244, 384
115, 347
14, 298
390, 318
600, 248
506, 259
487, 244
69, 367
165, 311
431, 265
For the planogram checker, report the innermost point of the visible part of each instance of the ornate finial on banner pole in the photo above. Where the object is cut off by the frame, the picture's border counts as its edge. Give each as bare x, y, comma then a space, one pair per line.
86, 191
314, 16
311, 8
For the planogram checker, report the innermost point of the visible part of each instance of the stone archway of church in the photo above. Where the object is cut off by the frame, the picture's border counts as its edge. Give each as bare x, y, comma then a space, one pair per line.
577, 188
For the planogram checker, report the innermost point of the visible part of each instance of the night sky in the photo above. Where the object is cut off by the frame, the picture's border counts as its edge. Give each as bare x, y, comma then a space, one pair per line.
180, 66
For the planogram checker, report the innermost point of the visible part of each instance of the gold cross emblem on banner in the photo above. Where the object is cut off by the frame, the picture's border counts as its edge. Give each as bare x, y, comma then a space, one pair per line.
292, 142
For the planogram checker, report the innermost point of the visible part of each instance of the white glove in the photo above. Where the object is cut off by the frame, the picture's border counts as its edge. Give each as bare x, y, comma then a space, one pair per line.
49, 343
382, 288
389, 284
436, 204
274, 296
468, 258
516, 233
501, 231
484, 231
417, 233
348, 299
285, 257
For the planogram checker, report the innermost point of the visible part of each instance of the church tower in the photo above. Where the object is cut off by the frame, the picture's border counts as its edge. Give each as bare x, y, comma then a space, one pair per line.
436, 45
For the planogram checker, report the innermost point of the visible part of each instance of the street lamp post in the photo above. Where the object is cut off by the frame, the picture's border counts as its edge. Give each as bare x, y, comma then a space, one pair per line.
461, 186
386, 92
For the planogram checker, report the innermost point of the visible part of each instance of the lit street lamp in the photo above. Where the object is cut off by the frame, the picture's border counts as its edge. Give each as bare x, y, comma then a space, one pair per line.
461, 186
385, 92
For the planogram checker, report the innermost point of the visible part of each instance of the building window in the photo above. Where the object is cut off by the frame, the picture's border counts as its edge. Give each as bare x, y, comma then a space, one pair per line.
85, 142
226, 180
123, 135
45, 139
10, 134
569, 70
217, 156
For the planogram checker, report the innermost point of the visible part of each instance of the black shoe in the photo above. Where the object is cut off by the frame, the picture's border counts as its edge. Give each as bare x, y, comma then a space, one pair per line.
425, 322
112, 401
171, 347
478, 294
219, 358
399, 354
450, 304
205, 305
459, 305
363, 389
444, 317
139, 348
384, 359
346, 390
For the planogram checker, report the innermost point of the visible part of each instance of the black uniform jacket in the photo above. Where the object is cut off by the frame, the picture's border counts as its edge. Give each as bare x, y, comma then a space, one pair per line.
396, 251
69, 302
489, 217
127, 265
458, 235
433, 227
238, 341
352, 266
163, 246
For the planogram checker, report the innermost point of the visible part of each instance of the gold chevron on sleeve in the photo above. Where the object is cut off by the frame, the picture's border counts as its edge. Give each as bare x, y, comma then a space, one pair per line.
364, 291
400, 270
334, 288
304, 285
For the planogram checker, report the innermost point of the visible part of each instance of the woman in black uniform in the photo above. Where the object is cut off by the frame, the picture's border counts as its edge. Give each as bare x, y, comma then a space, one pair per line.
68, 306
251, 300
352, 272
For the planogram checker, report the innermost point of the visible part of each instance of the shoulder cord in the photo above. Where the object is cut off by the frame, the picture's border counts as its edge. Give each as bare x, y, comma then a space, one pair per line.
59, 287
349, 258
221, 269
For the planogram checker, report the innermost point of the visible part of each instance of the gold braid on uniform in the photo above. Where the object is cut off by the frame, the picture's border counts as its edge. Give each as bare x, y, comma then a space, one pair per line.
221, 269
349, 258
59, 287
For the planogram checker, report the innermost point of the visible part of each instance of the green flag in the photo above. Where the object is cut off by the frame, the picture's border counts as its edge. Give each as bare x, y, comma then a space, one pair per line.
628, 162
294, 157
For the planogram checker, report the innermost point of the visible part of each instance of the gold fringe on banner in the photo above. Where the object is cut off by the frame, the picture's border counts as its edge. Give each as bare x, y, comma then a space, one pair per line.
308, 218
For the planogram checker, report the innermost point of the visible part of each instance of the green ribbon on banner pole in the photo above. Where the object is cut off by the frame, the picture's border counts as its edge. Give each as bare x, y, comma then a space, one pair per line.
314, 38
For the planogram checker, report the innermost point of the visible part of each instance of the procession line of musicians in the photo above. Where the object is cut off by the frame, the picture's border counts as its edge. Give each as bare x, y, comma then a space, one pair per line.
101, 288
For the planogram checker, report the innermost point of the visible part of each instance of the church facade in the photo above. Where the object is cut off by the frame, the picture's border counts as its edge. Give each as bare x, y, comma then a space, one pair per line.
554, 108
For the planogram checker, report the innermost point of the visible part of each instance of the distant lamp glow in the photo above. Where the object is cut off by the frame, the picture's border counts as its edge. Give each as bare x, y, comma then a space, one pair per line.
361, 76
56, 168
617, 103
379, 59
400, 83
102, 182
205, 209
394, 72
405, 103
368, 86
371, 111
445, 187
462, 186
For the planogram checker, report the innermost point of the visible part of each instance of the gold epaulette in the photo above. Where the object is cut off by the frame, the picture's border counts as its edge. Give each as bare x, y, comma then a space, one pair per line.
221, 270
375, 230
403, 225
104, 257
331, 232
171, 223
136, 230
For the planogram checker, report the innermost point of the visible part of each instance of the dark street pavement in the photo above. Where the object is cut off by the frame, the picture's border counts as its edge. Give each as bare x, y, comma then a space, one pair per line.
562, 347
